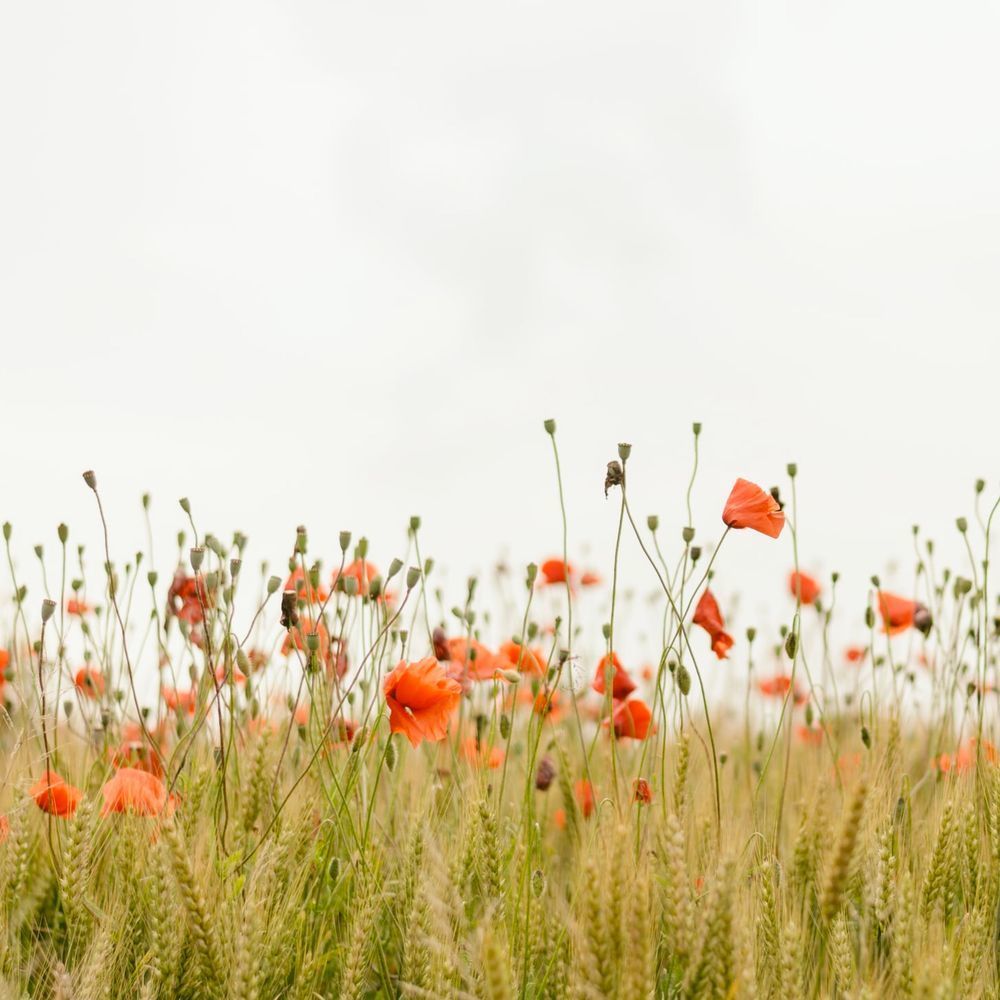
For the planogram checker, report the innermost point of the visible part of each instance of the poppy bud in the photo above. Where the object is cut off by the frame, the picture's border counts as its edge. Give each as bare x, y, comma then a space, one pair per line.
7, 530
345, 541
695, 553
922, 619
834, 576
652, 522
511, 676
723, 757
751, 634
394, 567
980, 485
791, 645
289, 616
48, 607
185, 505
90, 479
550, 426
606, 630
68, 708
961, 524
696, 427
809, 713
866, 737
63, 532
39, 551
391, 754
614, 476
415, 523
505, 726
333, 869
362, 549
243, 661
532, 574
428, 566
545, 774
412, 577
683, 679
869, 618
440, 640
792, 470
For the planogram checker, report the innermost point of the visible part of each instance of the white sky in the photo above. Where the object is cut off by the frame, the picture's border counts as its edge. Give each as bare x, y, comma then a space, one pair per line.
334, 264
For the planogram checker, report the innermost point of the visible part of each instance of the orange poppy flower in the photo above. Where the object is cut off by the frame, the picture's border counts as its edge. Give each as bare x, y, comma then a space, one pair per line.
548, 704
809, 735
89, 682
559, 818
632, 719
135, 753
965, 757
480, 754
557, 571
222, 676
179, 701
708, 615
360, 570
54, 796
641, 792
855, 654
298, 581
188, 597
590, 579
778, 686
899, 613
471, 659
518, 657
77, 607
4, 660
803, 586
749, 506
135, 791
421, 699
622, 684
585, 798
4, 828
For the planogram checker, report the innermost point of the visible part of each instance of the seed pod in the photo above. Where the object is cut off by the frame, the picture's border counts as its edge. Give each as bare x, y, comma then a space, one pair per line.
683, 679
391, 754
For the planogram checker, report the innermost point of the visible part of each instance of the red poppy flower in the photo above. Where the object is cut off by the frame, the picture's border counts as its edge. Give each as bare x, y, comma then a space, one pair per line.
749, 506
188, 597
584, 792
4, 828
480, 754
855, 654
708, 615
4, 660
54, 796
222, 676
803, 586
899, 614
138, 792
179, 701
361, 571
518, 657
778, 686
631, 719
471, 659
809, 735
421, 699
622, 684
298, 581
641, 792
557, 571
547, 704
77, 607
965, 758
89, 682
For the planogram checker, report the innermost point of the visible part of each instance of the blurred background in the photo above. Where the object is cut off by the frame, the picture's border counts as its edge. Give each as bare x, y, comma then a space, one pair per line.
334, 264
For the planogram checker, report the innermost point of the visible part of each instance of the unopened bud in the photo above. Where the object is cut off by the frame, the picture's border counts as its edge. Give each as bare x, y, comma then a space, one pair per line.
652, 522
962, 524
185, 505
63, 532
792, 470
683, 679
412, 577
550, 426
345, 541
90, 479
415, 523
273, 584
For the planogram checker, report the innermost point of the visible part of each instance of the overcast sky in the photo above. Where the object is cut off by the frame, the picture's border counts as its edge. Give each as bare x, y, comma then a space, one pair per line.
334, 264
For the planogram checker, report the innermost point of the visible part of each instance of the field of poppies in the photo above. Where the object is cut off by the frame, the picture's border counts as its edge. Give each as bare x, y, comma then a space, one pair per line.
336, 780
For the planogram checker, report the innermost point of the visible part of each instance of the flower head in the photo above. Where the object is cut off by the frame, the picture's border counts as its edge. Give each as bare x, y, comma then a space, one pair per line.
708, 615
54, 796
749, 506
421, 699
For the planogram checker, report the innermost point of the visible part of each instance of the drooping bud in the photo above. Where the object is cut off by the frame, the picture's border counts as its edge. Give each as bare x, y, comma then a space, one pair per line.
185, 505
683, 679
